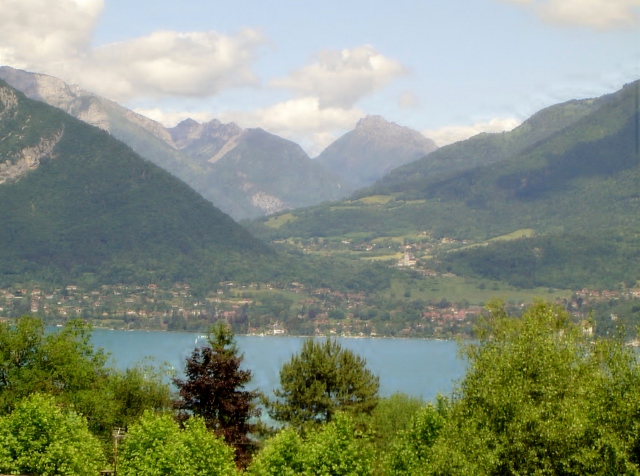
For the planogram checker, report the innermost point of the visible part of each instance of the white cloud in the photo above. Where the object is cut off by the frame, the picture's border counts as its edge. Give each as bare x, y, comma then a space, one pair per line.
37, 34
301, 120
450, 134
55, 38
167, 63
408, 100
341, 78
597, 14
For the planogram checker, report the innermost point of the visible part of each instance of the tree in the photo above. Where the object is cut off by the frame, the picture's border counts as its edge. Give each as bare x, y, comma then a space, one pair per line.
335, 449
156, 445
408, 453
541, 397
391, 416
321, 380
38, 437
214, 390
65, 365
61, 363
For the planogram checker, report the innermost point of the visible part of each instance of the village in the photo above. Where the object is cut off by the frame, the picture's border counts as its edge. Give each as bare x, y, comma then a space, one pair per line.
267, 309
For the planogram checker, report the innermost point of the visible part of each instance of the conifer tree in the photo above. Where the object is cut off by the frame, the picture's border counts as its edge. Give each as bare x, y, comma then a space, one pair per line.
322, 379
215, 391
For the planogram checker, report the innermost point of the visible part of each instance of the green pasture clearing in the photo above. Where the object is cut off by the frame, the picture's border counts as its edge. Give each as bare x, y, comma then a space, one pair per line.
376, 200
277, 222
410, 237
457, 288
345, 207
393, 257
414, 202
523, 233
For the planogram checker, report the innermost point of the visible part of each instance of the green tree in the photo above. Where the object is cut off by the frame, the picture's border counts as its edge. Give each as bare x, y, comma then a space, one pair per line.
65, 365
280, 456
391, 416
59, 363
334, 449
542, 397
156, 445
409, 453
38, 437
122, 397
214, 390
321, 380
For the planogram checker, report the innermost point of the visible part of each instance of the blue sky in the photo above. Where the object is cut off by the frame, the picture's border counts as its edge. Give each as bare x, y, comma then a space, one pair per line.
309, 70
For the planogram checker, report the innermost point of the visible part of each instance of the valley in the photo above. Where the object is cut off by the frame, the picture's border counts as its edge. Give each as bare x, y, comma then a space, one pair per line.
416, 254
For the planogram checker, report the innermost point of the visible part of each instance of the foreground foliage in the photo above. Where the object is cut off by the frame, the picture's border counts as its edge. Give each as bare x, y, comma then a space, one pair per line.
64, 365
39, 437
335, 449
156, 445
541, 397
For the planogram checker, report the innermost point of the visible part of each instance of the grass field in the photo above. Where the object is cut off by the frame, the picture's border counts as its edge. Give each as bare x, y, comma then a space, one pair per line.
393, 257
277, 222
376, 200
523, 233
457, 288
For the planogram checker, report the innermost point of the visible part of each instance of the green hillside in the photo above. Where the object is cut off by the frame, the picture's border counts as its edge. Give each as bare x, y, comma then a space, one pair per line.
572, 172
485, 149
74, 201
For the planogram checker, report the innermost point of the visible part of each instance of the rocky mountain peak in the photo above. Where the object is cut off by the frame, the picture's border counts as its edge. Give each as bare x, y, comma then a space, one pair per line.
378, 125
372, 149
370, 122
191, 134
184, 131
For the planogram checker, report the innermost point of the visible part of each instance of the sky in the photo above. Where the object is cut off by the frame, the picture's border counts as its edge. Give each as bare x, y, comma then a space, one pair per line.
308, 71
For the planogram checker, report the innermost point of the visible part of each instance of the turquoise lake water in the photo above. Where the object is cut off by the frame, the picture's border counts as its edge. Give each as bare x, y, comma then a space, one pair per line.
414, 366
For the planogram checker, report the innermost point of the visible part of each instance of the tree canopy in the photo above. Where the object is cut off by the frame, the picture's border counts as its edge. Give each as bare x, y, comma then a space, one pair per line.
156, 445
39, 437
322, 379
542, 397
65, 365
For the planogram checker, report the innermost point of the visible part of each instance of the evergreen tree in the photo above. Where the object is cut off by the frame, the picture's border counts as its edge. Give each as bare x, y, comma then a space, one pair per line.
214, 390
321, 380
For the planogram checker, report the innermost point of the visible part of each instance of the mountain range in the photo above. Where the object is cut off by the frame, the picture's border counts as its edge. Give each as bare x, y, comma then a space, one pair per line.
75, 203
571, 173
245, 172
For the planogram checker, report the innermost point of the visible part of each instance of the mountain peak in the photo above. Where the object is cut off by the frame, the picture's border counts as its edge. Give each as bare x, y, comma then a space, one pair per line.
374, 122
372, 149
187, 123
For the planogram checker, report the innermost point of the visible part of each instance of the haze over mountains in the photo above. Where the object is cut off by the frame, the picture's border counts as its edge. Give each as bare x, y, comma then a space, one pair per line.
246, 173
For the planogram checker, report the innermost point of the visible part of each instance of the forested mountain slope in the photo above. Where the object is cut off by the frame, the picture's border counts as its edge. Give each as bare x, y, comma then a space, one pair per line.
75, 201
487, 148
579, 183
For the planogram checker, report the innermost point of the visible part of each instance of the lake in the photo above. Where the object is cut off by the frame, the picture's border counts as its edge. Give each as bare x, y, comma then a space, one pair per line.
417, 367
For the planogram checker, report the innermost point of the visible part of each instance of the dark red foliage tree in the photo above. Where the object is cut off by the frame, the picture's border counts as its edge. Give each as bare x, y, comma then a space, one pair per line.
214, 390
